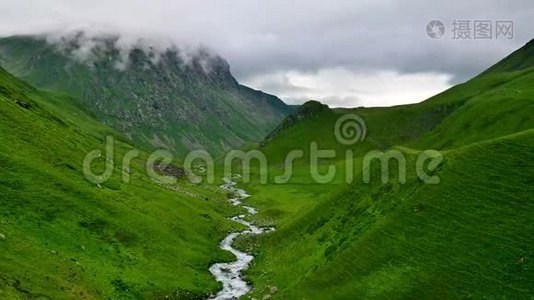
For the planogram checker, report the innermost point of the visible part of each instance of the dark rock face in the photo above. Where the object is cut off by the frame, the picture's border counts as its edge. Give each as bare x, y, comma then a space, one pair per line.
310, 109
174, 99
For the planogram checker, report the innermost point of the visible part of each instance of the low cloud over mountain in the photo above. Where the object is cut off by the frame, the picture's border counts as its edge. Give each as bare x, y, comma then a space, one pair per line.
264, 40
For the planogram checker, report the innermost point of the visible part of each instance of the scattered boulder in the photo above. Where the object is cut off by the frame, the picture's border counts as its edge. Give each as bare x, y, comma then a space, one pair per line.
273, 290
169, 170
23, 104
2, 237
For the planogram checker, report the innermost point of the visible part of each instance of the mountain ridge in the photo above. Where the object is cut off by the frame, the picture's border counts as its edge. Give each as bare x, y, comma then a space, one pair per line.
172, 99
468, 236
518, 60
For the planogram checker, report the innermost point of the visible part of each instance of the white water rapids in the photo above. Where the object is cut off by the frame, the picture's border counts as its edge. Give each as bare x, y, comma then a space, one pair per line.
230, 274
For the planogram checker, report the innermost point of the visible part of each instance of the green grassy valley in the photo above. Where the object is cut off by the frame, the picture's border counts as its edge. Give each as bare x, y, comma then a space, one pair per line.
470, 236
66, 238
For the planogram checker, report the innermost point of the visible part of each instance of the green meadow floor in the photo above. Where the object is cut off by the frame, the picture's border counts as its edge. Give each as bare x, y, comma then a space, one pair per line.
470, 236
67, 238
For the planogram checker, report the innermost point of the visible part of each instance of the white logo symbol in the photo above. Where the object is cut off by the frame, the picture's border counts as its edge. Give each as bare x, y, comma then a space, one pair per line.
350, 129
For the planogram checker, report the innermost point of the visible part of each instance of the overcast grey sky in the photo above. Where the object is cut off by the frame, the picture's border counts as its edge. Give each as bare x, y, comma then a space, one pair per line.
344, 53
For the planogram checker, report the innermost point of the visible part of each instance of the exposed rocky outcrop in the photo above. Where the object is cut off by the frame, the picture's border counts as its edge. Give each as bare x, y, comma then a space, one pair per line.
173, 98
309, 109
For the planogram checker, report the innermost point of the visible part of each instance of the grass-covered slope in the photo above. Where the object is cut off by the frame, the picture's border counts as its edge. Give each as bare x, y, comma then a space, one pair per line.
470, 236
170, 98
521, 59
63, 237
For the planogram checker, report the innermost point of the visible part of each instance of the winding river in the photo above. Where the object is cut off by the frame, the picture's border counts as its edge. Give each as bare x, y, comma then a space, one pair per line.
230, 274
